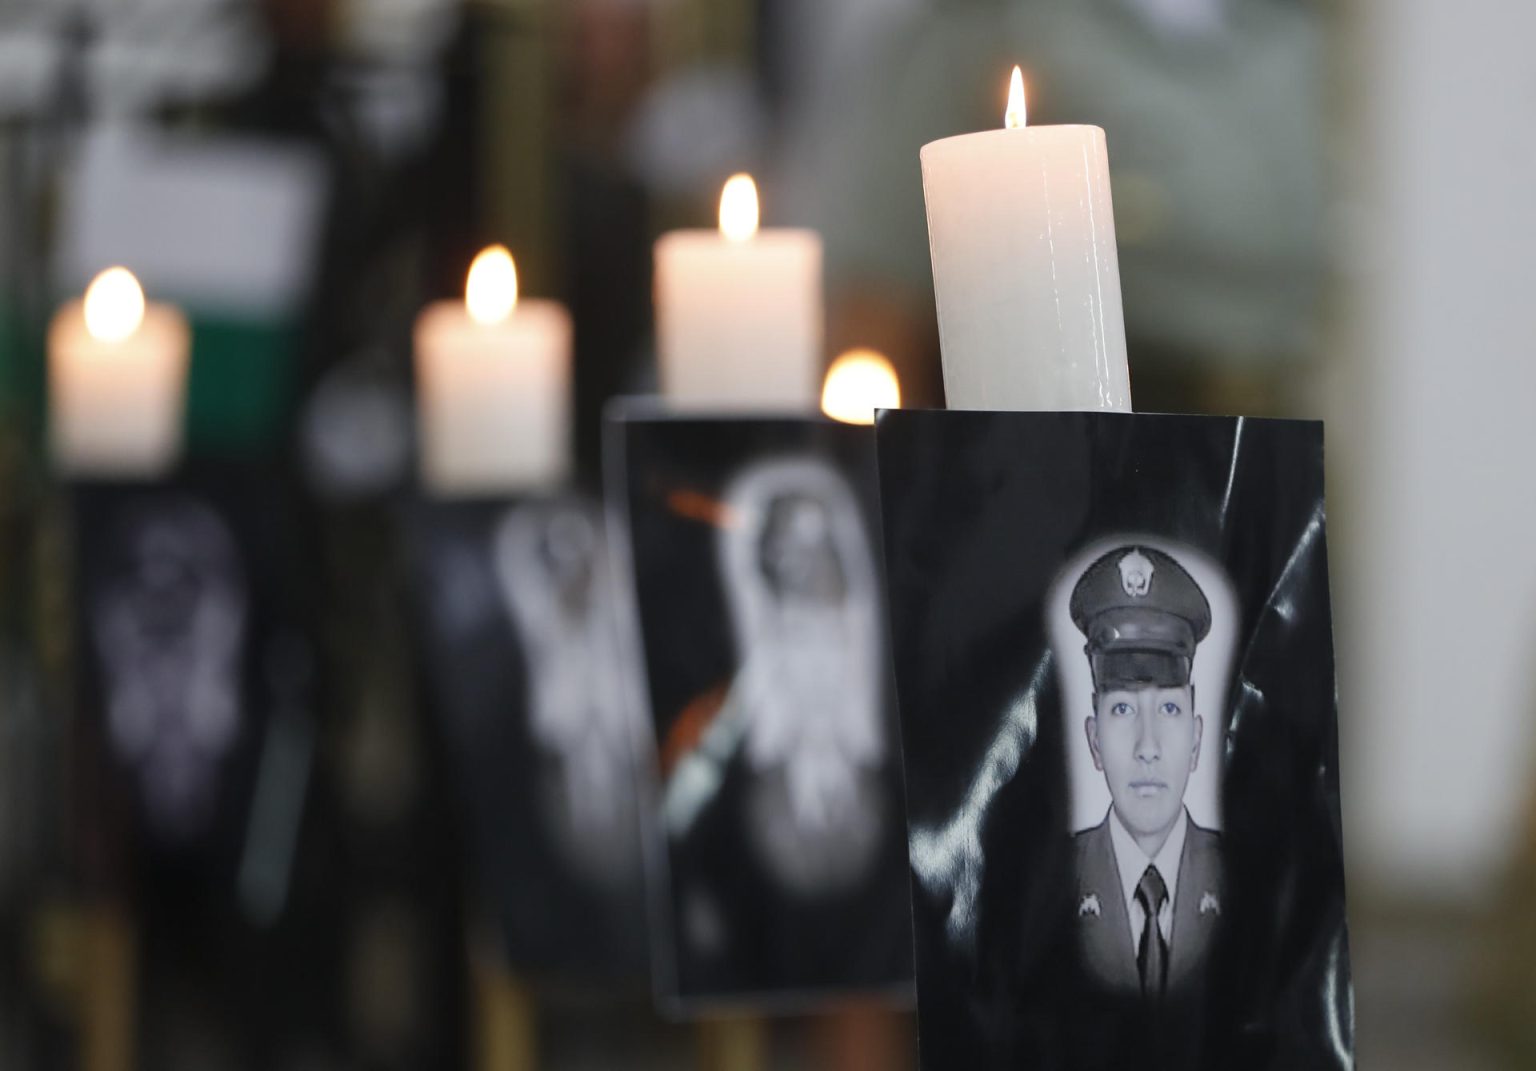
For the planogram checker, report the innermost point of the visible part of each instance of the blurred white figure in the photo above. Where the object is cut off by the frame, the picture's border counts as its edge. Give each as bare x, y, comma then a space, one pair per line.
550, 563
800, 580
169, 625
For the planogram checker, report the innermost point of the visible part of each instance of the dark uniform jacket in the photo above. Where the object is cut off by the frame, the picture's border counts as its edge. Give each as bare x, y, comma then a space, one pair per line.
1104, 929
1171, 1032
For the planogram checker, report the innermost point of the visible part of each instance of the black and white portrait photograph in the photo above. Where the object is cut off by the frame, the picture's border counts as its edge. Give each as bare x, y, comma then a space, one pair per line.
1113, 654
522, 653
780, 868
1137, 638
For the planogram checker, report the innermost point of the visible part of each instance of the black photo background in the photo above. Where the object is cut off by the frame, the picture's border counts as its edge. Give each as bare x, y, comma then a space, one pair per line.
521, 646
779, 869
981, 510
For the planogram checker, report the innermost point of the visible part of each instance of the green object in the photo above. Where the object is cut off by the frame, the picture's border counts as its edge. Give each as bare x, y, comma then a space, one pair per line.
21, 362
23, 352
241, 384
10, 358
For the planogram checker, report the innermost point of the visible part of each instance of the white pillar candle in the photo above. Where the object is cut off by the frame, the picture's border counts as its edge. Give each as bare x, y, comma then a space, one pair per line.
739, 312
493, 387
1022, 232
117, 381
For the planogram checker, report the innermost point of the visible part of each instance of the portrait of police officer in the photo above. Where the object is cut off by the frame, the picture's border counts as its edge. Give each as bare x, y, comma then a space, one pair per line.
1149, 878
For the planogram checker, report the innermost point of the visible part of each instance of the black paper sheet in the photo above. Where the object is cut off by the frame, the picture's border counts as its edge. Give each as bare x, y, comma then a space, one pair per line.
1015, 658
779, 869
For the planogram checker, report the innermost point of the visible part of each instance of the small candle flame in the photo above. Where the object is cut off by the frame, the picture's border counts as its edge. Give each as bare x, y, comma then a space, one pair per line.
1015, 117
490, 291
859, 382
738, 208
114, 305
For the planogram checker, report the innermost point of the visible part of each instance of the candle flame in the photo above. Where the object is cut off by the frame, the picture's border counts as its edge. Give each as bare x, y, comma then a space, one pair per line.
490, 291
1015, 117
738, 208
859, 382
114, 305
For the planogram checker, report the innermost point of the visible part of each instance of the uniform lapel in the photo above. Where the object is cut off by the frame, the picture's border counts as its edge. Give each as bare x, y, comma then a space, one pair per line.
1102, 921
1197, 907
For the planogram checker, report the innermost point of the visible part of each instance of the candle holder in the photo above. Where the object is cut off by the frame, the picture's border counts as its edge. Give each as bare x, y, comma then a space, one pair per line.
748, 547
1114, 661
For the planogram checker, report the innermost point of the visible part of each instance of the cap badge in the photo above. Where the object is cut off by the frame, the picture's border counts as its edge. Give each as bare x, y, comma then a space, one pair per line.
1135, 574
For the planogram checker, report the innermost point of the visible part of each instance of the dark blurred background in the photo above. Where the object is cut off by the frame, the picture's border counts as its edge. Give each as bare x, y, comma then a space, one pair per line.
1324, 210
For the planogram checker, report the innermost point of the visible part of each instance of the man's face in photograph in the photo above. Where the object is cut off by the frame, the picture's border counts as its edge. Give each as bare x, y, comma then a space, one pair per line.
1146, 740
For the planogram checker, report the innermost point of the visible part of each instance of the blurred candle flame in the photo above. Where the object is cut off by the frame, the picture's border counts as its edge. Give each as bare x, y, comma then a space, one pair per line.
490, 291
738, 208
114, 305
1015, 117
859, 382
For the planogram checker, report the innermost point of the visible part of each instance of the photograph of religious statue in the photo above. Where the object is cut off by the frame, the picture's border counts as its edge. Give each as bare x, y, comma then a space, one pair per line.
1113, 652
520, 644
756, 579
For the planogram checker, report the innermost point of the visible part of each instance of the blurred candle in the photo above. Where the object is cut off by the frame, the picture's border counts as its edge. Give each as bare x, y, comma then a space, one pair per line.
739, 311
1025, 275
493, 386
117, 379
859, 382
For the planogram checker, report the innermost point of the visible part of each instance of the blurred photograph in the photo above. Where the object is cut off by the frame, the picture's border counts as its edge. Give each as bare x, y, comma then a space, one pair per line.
552, 569
521, 643
805, 701
185, 617
756, 575
168, 624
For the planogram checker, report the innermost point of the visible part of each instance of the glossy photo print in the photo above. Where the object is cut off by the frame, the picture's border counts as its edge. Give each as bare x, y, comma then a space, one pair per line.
780, 870
521, 644
1114, 663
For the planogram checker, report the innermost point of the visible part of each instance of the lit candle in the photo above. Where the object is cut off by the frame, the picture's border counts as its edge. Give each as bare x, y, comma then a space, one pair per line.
739, 312
859, 382
117, 381
493, 386
1025, 275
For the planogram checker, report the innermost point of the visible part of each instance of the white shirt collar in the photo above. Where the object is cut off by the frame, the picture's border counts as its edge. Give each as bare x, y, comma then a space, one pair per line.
1133, 862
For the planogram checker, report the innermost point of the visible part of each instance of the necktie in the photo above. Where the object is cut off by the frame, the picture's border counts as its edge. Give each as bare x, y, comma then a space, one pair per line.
1152, 955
